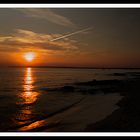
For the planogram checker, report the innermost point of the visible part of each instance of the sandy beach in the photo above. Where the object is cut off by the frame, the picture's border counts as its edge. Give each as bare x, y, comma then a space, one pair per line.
126, 117
78, 116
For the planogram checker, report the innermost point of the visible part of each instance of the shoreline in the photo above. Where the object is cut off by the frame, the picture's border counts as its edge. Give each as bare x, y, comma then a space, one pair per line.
105, 106
126, 117
95, 106
76, 117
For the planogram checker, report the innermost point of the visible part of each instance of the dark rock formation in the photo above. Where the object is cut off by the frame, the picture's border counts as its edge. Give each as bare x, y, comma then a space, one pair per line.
67, 89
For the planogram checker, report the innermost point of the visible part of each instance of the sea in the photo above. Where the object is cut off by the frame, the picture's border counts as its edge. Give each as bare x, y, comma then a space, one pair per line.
25, 101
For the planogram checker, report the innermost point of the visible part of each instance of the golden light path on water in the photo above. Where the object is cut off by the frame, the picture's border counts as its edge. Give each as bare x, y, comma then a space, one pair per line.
27, 98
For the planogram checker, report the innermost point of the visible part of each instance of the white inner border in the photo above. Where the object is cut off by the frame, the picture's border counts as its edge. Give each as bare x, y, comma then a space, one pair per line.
69, 6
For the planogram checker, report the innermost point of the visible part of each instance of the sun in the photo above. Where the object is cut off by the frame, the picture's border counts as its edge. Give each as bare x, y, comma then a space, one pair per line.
29, 56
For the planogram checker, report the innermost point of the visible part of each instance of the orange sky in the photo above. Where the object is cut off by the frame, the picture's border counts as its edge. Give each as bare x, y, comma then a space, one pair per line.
113, 40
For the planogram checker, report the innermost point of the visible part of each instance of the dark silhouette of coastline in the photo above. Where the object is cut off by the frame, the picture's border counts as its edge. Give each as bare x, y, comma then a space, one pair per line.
73, 67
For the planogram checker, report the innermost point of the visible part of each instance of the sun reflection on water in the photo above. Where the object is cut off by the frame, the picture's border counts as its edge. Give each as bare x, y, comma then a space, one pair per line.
27, 99
29, 96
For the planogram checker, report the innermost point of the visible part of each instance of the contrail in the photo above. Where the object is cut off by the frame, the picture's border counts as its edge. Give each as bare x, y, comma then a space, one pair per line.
70, 34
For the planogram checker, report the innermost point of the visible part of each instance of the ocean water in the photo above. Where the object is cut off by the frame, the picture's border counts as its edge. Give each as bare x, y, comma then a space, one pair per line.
24, 98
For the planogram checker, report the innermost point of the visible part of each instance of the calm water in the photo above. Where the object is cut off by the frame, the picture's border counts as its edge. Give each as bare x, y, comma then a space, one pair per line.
22, 96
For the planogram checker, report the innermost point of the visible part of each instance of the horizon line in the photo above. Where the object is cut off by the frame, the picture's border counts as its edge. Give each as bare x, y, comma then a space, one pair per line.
76, 67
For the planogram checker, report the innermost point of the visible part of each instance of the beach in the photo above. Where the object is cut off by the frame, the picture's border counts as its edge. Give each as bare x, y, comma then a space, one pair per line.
99, 101
126, 117
106, 111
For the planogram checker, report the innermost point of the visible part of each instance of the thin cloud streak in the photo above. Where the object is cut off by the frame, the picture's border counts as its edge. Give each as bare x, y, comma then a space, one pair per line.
70, 34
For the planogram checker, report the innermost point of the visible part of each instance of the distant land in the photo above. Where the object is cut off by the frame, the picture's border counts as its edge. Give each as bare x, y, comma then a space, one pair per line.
75, 67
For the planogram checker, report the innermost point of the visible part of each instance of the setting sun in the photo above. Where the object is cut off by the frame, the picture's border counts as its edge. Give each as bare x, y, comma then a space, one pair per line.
29, 56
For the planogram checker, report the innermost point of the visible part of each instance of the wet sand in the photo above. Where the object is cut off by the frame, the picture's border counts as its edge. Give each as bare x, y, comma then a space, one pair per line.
90, 110
76, 117
127, 117
91, 106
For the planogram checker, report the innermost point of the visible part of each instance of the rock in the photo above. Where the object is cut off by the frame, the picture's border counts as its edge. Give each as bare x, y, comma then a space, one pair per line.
101, 82
67, 89
92, 91
89, 83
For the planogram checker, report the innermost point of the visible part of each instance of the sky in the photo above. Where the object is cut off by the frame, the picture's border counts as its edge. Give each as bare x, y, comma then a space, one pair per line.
84, 37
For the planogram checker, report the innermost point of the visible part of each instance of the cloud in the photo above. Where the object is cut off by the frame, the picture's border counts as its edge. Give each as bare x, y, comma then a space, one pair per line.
71, 34
23, 40
49, 15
